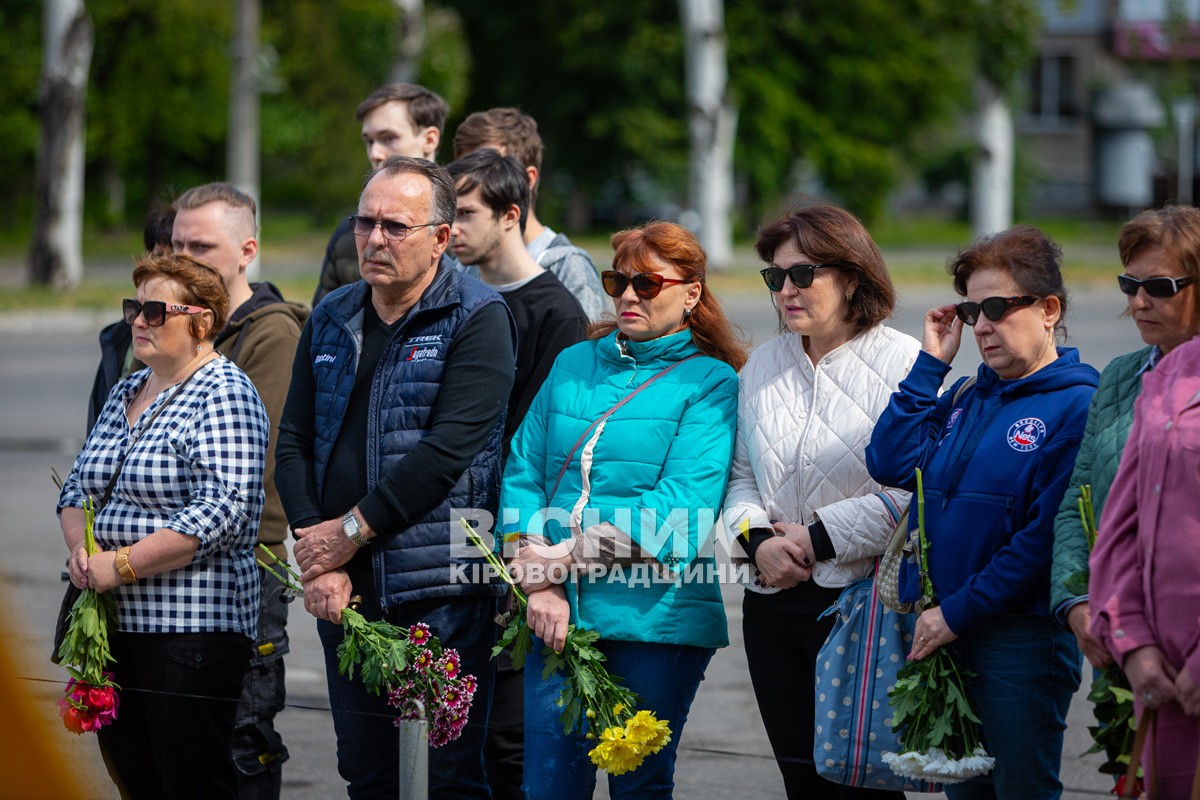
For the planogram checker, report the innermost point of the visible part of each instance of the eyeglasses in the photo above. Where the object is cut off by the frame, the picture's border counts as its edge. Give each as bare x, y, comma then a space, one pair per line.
1155, 287
154, 311
801, 274
646, 285
392, 230
994, 308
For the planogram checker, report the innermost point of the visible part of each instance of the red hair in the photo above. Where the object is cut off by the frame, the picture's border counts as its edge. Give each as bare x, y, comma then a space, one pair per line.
635, 250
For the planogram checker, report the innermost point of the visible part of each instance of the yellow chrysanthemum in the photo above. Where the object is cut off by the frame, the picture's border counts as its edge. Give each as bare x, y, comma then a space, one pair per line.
652, 733
615, 754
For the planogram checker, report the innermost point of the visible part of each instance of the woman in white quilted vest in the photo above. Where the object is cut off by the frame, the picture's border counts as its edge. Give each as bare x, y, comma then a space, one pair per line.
801, 505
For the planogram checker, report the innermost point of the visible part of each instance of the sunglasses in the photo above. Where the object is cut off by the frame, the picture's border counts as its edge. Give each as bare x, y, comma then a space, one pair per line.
1155, 287
154, 311
994, 308
801, 274
646, 285
392, 230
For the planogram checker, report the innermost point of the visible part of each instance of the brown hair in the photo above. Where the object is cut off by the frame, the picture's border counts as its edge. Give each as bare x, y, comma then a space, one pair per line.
198, 284
1025, 253
835, 237
1174, 229
505, 128
242, 207
711, 330
426, 109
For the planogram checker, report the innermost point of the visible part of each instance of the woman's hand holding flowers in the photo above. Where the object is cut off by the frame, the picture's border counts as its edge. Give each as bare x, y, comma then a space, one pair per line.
1079, 618
102, 572
549, 615
538, 565
782, 563
943, 333
931, 633
1151, 676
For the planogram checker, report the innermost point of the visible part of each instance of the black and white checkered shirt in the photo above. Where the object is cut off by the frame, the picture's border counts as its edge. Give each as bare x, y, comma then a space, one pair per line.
197, 470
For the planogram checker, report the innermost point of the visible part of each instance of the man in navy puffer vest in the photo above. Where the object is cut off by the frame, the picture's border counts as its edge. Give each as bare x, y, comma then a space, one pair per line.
394, 417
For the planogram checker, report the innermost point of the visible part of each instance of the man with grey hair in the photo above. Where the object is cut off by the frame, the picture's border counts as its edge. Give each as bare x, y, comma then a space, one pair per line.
394, 418
398, 119
216, 224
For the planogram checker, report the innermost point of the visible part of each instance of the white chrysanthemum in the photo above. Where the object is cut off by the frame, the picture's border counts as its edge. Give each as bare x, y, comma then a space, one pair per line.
934, 765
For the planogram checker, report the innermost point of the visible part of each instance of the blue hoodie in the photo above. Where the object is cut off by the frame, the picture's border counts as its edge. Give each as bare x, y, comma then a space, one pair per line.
995, 465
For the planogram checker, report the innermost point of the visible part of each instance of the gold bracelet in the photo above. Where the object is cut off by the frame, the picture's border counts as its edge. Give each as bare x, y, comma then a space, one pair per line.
124, 568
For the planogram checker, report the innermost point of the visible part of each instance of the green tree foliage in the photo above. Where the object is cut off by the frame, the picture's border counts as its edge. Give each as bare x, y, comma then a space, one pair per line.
20, 64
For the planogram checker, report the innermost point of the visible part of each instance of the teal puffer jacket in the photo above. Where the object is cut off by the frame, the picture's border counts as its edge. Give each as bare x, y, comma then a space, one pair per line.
1110, 416
657, 470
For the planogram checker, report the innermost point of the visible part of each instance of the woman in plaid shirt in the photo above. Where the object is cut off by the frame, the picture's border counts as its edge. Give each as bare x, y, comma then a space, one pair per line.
188, 436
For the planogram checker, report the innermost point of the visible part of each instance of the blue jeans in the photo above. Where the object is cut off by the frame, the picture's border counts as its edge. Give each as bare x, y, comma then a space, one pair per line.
1027, 669
368, 743
557, 766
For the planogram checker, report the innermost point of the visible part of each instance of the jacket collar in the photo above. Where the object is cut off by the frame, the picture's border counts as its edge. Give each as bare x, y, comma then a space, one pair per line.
665, 349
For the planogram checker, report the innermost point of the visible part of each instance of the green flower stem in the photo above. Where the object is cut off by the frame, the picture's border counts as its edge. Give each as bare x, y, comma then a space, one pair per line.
474, 538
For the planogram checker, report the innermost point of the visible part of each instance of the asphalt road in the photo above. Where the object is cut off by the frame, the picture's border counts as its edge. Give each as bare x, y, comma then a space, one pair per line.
47, 362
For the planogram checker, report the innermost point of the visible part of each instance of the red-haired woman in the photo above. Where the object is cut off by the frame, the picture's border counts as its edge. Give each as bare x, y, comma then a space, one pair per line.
627, 504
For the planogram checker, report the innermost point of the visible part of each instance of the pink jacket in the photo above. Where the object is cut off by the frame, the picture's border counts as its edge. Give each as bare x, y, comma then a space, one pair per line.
1145, 569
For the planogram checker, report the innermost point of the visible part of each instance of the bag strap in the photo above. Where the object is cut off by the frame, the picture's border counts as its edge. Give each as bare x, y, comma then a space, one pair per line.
112, 481
583, 437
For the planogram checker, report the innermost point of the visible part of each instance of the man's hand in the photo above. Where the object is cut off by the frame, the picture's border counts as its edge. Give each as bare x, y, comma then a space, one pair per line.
1079, 618
781, 563
322, 548
327, 594
548, 615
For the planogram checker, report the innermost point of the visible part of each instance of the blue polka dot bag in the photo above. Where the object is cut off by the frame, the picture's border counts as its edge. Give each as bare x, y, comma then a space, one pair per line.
856, 667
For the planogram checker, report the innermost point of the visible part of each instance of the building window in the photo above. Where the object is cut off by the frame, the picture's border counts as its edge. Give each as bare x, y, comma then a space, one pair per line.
1052, 90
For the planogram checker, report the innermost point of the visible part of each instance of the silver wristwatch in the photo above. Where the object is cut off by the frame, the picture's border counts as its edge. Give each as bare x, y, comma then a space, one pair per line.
353, 530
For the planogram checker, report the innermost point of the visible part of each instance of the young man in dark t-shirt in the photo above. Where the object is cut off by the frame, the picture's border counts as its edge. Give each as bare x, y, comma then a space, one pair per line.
493, 201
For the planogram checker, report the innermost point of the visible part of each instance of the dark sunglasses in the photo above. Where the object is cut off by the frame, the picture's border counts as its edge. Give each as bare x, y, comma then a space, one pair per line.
801, 275
392, 230
994, 308
1155, 287
154, 311
646, 285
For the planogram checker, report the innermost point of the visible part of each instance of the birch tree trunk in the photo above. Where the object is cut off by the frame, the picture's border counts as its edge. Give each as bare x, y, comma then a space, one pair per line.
411, 40
243, 134
992, 178
712, 122
56, 255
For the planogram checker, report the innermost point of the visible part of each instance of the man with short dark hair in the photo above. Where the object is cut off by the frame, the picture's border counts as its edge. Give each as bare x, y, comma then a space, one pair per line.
216, 224
394, 418
397, 119
514, 134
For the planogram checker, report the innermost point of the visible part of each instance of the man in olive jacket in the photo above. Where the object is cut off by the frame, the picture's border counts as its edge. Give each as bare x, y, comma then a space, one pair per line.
216, 224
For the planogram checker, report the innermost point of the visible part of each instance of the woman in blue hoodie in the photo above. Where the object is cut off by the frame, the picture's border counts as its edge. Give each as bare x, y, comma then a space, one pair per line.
995, 461
623, 505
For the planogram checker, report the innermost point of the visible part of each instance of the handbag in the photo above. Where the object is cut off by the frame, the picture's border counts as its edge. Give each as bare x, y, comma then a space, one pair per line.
900, 546
858, 663
73, 592
1128, 786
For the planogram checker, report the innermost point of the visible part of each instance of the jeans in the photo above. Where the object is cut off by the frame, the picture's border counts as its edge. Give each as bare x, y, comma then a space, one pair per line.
1027, 669
781, 653
258, 749
368, 742
174, 730
665, 678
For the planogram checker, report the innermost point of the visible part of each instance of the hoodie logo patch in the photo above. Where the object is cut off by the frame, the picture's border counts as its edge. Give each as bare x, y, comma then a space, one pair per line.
1026, 434
323, 359
423, 350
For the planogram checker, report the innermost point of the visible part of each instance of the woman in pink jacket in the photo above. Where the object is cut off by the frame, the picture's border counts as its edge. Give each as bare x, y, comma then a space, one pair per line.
1144, 590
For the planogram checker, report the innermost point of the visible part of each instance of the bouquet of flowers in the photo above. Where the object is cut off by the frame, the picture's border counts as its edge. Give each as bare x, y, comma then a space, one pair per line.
1111, 695
931, 711
626, 736
90, 700
422, 680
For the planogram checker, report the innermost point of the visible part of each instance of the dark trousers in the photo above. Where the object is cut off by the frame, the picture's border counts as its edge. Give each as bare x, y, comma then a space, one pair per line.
174, 730
368, 742
258, 750
504, 749
781, 649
